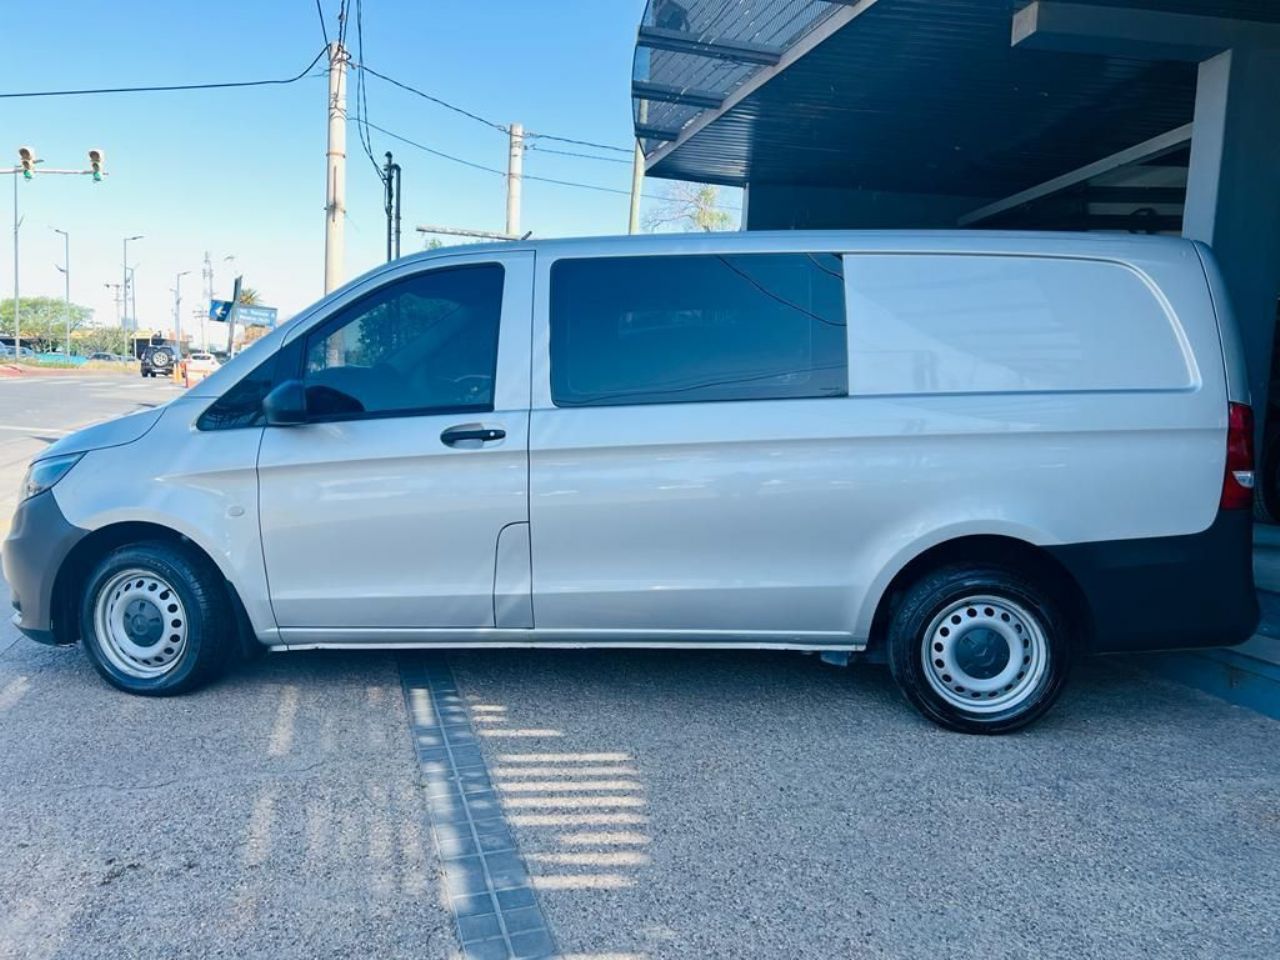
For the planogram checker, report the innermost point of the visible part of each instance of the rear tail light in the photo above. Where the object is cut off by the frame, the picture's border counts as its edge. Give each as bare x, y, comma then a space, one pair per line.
1237, 485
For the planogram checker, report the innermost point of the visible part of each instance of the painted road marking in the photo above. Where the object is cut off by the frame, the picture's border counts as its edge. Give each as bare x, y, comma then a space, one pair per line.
487, 885
20, 429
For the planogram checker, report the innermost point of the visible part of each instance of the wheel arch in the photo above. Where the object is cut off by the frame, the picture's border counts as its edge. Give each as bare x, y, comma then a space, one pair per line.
1002, 549
79, 563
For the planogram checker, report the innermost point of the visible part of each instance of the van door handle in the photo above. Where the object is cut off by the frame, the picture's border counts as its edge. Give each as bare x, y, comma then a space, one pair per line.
455, 435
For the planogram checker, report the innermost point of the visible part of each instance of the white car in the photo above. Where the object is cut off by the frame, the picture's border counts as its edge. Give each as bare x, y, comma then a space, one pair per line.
202, 363
974, 455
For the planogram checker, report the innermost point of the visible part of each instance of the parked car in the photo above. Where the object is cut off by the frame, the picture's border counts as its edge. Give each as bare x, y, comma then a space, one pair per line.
158, 359
108, 357
8, 351
971, 455
202, 362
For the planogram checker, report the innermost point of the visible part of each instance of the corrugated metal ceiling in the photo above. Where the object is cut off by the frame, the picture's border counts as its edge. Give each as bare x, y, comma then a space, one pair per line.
914, 95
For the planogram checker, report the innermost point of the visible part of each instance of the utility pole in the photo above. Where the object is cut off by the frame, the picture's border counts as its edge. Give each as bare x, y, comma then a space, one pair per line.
17, 302
177, 309
637, 185
391, 203
115, 298
206, 274
231, 316
66, 283
335, 207
515, 173
124, 268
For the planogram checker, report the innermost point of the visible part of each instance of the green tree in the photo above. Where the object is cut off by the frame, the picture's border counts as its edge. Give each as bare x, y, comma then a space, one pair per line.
43, 318
249, 297
101, 340
689, 207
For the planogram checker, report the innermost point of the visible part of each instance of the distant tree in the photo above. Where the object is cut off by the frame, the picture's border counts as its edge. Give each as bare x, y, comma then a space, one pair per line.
43, 318
249, 297
433, 243
689, 207
101, 340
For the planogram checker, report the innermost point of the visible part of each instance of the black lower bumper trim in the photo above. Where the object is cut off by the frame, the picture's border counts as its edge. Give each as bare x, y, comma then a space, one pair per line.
1169, 592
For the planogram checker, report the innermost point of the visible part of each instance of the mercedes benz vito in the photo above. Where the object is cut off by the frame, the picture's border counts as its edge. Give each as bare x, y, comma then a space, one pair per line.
972, 455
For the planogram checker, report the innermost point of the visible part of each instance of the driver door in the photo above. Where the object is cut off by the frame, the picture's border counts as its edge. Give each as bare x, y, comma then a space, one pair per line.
381, 513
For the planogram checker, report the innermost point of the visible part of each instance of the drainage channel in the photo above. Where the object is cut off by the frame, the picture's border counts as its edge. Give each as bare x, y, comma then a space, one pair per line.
486, 882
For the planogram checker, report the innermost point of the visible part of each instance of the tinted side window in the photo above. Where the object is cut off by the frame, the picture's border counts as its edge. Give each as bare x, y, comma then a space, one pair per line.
426, 343
241, 406
684, 329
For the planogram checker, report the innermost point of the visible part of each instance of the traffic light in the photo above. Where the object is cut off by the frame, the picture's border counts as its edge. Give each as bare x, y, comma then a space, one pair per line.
27, 157
96, 157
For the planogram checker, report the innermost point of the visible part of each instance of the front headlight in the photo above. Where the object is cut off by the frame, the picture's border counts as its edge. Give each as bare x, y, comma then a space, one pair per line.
43, 474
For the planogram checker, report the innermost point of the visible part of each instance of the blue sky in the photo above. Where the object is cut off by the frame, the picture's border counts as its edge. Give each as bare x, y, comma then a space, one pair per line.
241, 172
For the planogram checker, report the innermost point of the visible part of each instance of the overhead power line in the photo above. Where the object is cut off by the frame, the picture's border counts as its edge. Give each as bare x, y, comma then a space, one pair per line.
501, 127
167, 87
434, 152
323, 29
579, 143
436, 100
584, 156
502, 173
362, 97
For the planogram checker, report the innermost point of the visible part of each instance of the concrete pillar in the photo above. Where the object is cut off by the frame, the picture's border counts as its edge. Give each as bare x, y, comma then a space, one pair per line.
1233, 194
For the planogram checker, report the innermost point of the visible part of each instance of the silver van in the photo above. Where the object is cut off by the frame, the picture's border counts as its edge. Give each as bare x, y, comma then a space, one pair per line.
972, 455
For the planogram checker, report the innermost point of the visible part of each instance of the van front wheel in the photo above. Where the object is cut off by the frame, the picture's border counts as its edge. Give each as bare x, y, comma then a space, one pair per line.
155, 620
979, 648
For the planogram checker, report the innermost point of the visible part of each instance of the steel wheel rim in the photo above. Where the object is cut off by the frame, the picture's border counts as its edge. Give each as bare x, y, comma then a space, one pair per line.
985, 654
141, 624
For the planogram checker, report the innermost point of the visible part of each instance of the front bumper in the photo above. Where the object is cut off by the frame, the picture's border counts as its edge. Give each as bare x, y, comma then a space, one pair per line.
38, 542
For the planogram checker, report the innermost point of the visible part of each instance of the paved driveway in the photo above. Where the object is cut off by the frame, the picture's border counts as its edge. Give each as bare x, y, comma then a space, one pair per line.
619, 806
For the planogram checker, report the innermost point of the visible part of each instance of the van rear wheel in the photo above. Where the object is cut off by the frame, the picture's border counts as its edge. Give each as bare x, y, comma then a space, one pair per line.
156, 620
979, 648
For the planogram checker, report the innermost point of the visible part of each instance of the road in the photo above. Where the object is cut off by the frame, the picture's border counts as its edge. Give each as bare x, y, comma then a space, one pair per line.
628, 806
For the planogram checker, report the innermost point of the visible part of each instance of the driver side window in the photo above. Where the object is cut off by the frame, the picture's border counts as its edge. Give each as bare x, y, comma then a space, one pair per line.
425, 344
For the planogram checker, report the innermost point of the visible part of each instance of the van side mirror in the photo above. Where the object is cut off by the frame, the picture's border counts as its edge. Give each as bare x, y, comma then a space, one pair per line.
286, 404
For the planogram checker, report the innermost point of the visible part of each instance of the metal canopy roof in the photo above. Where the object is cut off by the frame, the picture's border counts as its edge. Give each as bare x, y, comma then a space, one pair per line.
921, 96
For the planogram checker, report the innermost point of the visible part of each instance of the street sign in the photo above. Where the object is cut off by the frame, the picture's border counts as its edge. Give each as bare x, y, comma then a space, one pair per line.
256, 316
248, 316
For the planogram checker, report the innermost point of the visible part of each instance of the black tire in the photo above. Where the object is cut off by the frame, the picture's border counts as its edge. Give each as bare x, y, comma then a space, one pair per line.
916, 619
210, 639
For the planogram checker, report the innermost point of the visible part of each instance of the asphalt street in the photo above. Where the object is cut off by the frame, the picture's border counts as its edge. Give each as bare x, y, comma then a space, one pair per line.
664, 805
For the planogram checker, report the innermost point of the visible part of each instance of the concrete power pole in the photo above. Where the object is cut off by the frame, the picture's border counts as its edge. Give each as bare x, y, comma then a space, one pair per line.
17, 300
335, 208
515, 173
66, 285
637, 185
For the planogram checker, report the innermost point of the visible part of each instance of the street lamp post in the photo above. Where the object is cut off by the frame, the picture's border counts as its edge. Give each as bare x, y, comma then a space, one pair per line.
125, 288
177, 309
66, 284
17, 303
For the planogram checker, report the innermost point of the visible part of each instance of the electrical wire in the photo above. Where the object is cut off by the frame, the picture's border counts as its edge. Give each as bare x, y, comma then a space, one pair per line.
362, 99
571, 153
426, 96
323, 29
167, 87
502, 173
342, 24
579, 143
434, 152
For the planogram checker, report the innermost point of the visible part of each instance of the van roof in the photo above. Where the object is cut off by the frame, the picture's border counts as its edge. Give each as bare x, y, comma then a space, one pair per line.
1113, 245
